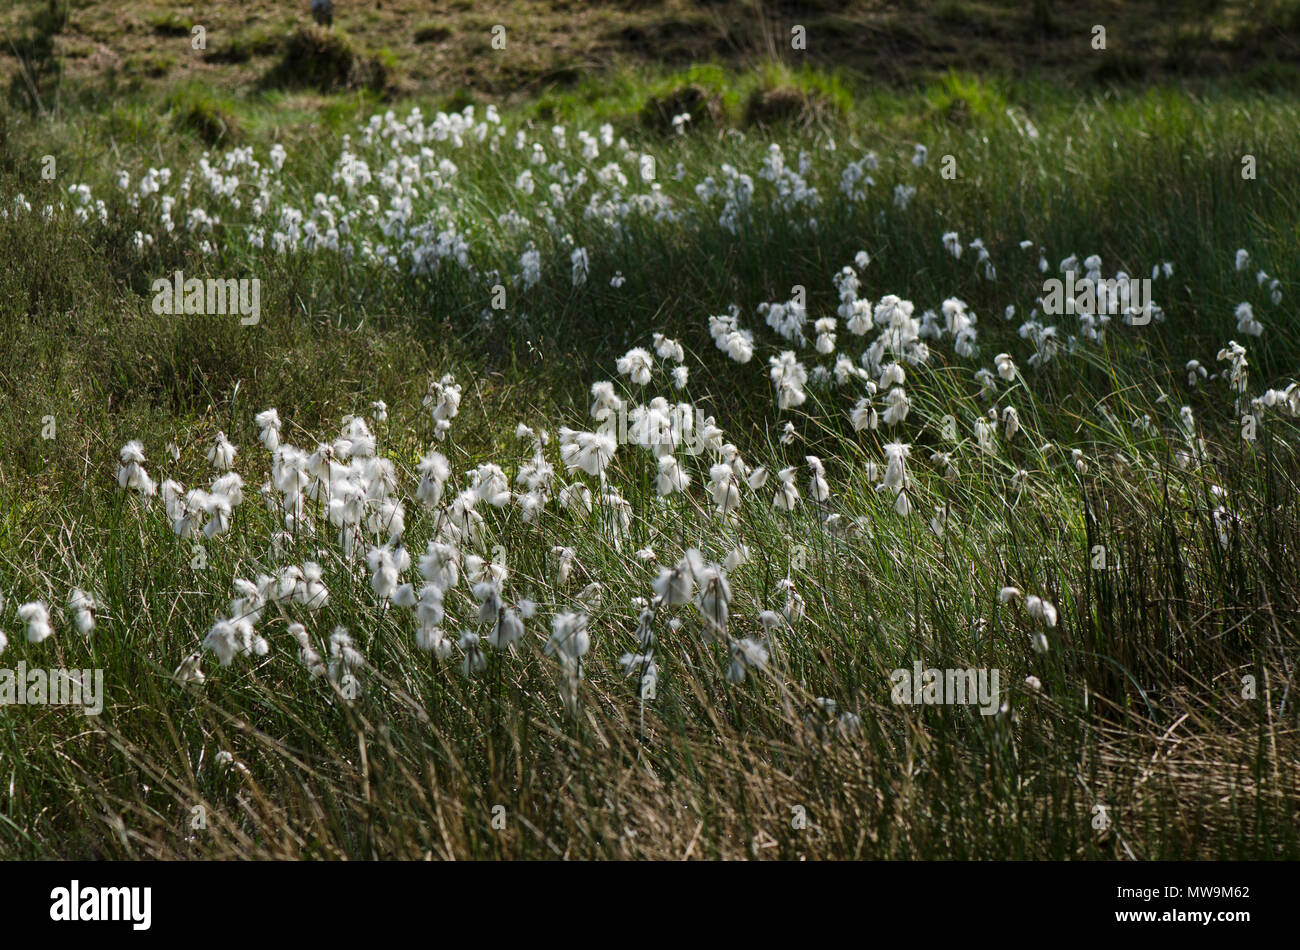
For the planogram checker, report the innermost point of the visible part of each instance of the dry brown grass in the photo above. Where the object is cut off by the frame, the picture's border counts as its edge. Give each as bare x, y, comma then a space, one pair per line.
550, 42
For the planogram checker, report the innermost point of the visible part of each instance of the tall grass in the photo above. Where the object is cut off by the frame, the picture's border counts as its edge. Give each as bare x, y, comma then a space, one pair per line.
1141, 708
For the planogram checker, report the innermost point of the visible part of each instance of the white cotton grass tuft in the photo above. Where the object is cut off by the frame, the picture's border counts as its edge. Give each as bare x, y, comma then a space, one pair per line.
1041, 609
818, 488
668, 349
714, 598
474, 661
672, 477
787, 493
435, 641
1246, 322
443, 400
344, 656
644, 665
230, 637
795, 607
637, 365
189, 672
863, 416
568, 643
1010, 422
897, 406
789, 377
386, 568
508, 630
131, 474
268, 423
488, 594
724, 488
569, 636
745, 654
589, 452
36, 615
674, 585
565, 557
222, 453
737, 556
591, 596
434, 471
82, 606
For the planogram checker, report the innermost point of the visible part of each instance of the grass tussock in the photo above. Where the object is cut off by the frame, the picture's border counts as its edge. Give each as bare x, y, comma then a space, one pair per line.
199, 111
327, 61
705, 109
